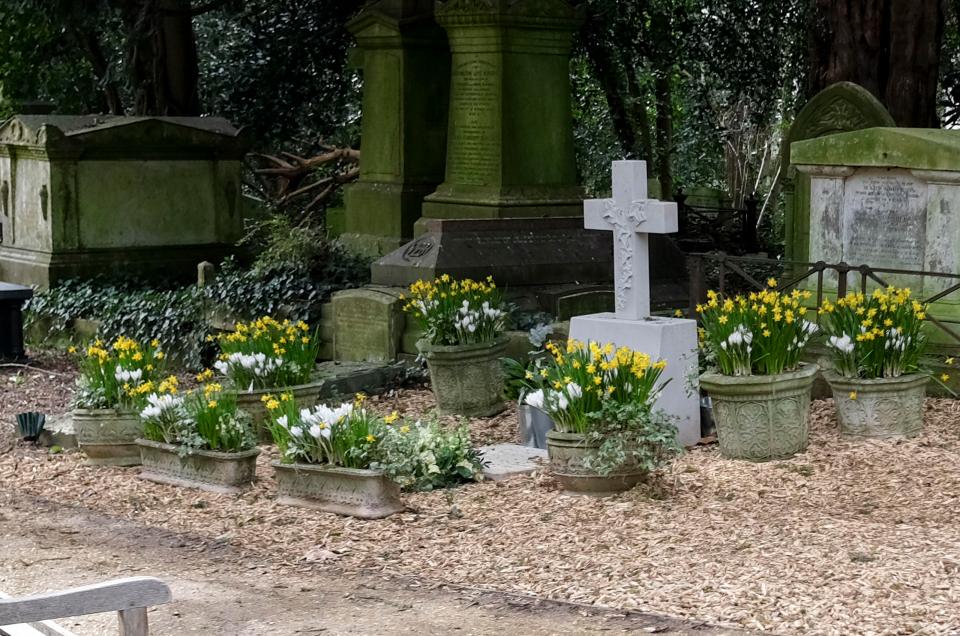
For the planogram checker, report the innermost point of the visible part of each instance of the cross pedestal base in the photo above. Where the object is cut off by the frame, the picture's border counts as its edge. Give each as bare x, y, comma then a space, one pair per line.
670, 339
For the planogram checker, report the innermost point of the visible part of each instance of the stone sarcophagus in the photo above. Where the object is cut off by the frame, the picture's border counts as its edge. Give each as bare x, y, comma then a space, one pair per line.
82, 195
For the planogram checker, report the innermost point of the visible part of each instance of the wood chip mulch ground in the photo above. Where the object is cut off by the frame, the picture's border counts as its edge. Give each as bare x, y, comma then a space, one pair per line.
847, 538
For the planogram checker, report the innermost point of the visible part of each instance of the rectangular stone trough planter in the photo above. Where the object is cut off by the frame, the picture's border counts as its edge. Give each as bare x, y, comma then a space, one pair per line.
108, 437
367, 494
206, 470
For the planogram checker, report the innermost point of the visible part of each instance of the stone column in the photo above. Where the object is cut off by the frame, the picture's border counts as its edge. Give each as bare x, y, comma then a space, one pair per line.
406, 68
510, 141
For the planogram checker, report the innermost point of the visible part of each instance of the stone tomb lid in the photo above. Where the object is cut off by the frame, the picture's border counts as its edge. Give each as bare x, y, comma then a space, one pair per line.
128, 135
11, 291
911, 148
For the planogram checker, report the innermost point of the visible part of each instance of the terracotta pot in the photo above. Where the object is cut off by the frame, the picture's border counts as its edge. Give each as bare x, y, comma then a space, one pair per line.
567, 451
367, 494
883, 407
305, 395
108, 437
761, 417
203, 469
467, 379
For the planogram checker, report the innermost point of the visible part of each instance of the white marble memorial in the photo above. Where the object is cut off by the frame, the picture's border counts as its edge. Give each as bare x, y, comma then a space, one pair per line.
631, 216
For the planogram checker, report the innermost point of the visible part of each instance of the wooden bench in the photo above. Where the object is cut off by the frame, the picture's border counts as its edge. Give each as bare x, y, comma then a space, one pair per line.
129, 597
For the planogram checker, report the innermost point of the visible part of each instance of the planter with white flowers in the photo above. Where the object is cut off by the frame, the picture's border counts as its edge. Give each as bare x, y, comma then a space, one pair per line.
114, 382
760, 390
463, 323
268, 356
876, 344
199, 440
326, 459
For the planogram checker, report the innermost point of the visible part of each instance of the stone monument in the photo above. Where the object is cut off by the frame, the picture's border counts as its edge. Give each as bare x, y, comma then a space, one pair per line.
81, 195
841, 107
510, 146
888, 198
405, 61
631, 217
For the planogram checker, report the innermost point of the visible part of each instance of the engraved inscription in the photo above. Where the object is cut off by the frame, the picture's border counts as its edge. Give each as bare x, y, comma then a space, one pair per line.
473, 157
418, 249
885, 220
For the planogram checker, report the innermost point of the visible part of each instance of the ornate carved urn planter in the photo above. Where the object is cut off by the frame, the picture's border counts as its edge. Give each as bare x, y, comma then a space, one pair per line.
108, 437
367, 494
567, 451
882, 407
251, 402
467, 379
761, 417
203, 469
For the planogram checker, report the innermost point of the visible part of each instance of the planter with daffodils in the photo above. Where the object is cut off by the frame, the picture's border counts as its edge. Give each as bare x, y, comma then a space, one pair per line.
876, 343
114, 382
199, 439
463, 323
327, 456
760, 390
607, 436
268, 356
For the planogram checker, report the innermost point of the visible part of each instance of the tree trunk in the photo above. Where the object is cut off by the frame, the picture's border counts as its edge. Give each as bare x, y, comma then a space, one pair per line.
664, 93
890, 47
92, 50
606, 72
639, 118
162, 57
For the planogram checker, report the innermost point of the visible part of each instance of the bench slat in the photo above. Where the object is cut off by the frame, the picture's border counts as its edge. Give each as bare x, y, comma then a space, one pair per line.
112, 596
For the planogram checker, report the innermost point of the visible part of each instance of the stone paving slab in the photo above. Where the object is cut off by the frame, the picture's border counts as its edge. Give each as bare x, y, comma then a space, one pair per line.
510, 460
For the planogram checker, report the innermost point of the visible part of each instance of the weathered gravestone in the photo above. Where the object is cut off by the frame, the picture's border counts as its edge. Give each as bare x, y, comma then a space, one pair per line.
81, 195
841, 107
368, 324
510, 150
406, 67
631, 216
888, 198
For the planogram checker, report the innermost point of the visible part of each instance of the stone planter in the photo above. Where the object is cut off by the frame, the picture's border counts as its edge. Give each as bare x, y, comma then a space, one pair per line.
761, 417
884, 407
567, 450
534, 425
305, 395
108, 437
203, 469
367, 494
466, 379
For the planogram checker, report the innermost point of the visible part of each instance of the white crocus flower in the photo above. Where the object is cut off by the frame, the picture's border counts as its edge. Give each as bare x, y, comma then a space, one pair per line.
535, 399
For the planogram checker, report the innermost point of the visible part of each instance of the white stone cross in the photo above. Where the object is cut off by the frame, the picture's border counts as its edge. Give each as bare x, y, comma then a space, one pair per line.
631, 216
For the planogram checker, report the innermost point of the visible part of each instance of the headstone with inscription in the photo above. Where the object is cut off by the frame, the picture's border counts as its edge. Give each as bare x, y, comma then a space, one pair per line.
368, 325
405, 61
841, 107
630, 216
887, 198
510, 150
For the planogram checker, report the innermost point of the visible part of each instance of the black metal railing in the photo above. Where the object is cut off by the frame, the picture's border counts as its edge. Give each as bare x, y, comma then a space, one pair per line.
727, 228
718, 270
